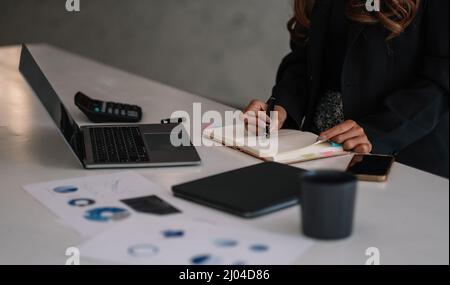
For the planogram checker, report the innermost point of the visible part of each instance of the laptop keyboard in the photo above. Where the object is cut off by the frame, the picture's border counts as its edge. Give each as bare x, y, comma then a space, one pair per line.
118, 145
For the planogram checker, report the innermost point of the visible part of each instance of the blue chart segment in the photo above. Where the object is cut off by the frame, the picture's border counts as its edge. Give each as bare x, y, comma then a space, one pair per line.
65, 189
106, 214
239, 262
83, 202
225, 242
143, 250
259, 247
205, 259
173, 233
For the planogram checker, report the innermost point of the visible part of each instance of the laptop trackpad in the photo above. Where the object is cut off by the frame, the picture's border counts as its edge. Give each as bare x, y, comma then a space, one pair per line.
160, 142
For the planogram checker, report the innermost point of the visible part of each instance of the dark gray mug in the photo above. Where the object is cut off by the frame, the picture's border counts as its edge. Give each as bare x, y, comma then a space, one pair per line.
327, 203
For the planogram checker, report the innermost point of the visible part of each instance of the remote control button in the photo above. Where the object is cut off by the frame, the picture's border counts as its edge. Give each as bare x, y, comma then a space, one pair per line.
133, 114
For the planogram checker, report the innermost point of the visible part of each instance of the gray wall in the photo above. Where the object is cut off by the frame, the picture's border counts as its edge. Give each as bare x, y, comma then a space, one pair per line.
227, 50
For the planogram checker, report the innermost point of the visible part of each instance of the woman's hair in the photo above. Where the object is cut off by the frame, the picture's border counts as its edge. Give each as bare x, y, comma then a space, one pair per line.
394, 15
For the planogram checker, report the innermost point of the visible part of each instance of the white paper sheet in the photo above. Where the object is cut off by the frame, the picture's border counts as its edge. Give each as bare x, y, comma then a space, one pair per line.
182, 241
92, 204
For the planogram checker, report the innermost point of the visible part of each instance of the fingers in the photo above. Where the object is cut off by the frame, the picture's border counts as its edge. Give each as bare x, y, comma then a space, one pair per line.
364, 148
354, 132
255, 122
280, 116
255, 106
359, 144
275, 124
354, 142
339, 129
255, 117
350, 135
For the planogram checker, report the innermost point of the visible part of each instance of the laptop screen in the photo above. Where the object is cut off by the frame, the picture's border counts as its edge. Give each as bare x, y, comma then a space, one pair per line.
48, 97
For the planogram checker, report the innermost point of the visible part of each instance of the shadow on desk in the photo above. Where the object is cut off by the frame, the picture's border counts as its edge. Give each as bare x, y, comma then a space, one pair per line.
45, 147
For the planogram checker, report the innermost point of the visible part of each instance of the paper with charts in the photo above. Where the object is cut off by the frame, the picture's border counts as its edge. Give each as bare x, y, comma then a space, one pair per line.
93, 204
178, 241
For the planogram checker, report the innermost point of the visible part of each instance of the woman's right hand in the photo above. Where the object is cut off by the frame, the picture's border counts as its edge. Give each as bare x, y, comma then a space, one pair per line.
255, 116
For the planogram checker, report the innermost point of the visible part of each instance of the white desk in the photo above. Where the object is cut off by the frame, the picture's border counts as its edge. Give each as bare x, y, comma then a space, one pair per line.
406, 218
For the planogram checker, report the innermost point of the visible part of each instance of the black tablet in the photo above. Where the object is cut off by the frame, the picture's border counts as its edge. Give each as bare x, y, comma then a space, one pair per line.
247, 192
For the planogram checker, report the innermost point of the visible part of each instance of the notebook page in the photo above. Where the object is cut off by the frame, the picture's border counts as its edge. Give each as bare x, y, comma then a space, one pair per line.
278, 143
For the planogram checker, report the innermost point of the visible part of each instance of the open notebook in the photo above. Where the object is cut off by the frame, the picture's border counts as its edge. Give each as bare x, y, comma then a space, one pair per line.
285, 146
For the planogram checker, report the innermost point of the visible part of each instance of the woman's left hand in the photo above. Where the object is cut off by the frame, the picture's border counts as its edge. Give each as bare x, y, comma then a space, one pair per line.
351, 135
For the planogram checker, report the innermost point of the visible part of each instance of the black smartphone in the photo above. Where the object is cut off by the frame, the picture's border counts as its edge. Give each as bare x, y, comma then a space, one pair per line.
369, 167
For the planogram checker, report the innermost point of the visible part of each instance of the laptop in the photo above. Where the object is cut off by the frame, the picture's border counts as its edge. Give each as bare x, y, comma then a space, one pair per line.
108, 146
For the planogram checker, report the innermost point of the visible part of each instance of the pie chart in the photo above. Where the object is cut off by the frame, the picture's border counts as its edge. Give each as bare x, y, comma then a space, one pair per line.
82, 202
106, 214
65, 189
143, 250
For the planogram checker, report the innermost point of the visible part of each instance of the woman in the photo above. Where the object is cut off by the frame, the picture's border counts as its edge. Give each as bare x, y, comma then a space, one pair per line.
373, 81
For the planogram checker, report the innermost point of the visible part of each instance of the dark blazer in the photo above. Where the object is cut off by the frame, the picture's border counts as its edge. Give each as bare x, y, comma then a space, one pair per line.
396, 90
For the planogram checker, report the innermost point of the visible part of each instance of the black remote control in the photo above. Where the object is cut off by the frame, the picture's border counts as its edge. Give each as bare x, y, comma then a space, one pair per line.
106, 112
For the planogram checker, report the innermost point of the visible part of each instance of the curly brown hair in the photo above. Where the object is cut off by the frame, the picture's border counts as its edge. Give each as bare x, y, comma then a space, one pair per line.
394, 15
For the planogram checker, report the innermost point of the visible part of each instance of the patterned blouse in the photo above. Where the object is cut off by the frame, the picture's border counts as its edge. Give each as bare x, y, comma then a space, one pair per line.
330, 110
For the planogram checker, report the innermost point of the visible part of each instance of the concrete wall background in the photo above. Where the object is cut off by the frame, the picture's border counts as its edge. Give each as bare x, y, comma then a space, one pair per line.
227, 50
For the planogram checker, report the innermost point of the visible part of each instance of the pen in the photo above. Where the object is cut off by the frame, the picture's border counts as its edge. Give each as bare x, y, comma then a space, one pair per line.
270, 108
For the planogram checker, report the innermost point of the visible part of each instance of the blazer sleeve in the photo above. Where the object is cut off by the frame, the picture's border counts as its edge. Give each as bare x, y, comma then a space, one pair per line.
290, 90
414, 111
